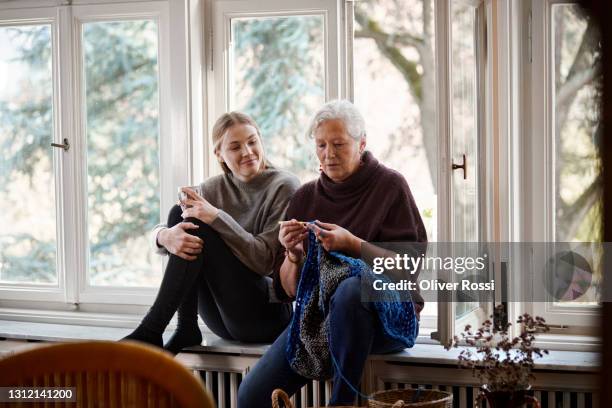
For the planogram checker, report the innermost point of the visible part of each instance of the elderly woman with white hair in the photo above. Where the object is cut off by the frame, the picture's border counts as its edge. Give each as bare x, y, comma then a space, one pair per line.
358, 200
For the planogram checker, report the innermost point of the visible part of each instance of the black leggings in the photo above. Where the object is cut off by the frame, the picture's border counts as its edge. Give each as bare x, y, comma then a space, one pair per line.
232, 300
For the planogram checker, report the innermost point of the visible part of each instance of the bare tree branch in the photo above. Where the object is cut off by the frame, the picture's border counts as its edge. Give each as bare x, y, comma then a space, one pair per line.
574, 214
569, 89
371, 29
580, 64
582, 72
386, 44
588, 42
420, 85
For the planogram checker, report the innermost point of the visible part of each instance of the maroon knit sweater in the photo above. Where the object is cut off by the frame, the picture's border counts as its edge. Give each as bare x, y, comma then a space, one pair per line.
374, 204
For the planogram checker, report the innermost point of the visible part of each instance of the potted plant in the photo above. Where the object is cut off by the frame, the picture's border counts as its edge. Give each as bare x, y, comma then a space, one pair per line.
502, 364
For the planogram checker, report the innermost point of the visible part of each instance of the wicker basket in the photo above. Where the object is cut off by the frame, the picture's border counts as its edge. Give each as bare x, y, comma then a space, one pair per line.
280, 394
411, 398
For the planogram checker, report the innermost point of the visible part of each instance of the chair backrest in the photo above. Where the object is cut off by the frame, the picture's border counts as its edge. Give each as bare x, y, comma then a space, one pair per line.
108, 374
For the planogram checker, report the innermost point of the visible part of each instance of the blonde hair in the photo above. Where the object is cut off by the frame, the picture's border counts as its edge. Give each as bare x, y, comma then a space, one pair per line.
224, 123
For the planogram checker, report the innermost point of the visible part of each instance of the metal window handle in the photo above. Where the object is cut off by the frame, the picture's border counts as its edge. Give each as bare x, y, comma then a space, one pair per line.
64, 146
461, 166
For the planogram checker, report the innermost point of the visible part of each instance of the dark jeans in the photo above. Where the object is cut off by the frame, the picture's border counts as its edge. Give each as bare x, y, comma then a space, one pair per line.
355, 332
232, 300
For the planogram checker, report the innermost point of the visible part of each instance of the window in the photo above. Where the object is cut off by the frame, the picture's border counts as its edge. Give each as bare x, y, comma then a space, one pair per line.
429, 77
467, 124
566, 72
284, 53
394, 76
94, 81
277, 61
394, 83
120, 69
28, 251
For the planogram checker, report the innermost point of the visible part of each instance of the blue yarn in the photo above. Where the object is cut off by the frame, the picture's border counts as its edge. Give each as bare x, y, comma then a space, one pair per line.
398, 318
351, 386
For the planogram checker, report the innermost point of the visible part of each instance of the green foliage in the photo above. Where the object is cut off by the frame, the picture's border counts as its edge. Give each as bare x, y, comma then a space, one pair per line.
122, 138
35, 265
279, 71
120, 71
26, 124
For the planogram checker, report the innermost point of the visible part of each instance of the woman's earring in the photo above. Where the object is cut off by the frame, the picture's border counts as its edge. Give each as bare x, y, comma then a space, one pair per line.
320, 168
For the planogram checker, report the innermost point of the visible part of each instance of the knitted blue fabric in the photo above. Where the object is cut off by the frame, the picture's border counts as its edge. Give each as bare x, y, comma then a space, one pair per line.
308, 341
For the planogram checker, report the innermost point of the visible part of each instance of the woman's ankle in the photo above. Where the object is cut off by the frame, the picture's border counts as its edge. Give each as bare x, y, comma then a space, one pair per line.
146, 335
186, 336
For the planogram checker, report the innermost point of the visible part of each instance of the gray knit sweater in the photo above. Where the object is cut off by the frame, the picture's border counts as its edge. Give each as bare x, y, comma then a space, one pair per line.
248, 215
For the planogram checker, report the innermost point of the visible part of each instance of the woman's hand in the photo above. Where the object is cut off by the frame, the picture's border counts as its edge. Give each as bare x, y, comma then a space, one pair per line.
291, 235
198, 207
179, 242
335, 238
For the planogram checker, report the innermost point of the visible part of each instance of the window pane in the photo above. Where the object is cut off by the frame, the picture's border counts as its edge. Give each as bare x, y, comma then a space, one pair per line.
27, 188
577, 126
577, 132
277, 76
122, 102
394, 82
464, 125
464, 134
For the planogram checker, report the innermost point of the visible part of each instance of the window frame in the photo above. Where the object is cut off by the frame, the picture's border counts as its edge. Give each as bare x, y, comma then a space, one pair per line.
46, 292
538, 223
73, 293
516, 104
81, 15
221, 13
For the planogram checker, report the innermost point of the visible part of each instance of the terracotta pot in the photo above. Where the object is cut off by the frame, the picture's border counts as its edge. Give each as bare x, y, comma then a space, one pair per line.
507, 399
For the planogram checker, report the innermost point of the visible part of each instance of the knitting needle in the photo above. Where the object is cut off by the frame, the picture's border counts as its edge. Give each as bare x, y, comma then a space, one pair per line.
303, 223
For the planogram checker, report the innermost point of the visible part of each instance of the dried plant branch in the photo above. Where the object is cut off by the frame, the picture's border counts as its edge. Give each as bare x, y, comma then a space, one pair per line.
501, 362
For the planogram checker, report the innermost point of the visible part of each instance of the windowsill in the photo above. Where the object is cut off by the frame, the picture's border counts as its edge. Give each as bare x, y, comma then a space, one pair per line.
430, 354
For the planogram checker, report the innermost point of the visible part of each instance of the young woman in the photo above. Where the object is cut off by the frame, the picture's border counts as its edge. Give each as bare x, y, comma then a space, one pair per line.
222, 247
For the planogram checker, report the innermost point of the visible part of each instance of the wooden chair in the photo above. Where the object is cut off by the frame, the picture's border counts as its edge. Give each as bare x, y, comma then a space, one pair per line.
106, 374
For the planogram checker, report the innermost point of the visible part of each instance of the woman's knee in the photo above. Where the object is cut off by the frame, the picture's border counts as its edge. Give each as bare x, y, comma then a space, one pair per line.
346, 302
347, 294
175, 216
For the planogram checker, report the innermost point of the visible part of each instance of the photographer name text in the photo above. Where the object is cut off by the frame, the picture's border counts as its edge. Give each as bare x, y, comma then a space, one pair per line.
433, 284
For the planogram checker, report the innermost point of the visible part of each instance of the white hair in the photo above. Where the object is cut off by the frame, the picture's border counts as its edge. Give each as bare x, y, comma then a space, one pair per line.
343, 110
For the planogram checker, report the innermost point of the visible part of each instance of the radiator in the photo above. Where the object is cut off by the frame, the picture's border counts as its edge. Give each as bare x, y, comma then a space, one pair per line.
224, 387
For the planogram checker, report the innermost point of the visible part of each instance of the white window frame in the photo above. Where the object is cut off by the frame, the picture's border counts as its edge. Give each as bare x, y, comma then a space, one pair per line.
81, 15
516, 105
45, 292
73, 293
222, 11
539, 223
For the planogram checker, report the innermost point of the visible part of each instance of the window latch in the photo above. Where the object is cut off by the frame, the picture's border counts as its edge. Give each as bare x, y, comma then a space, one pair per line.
64, 146
461, 166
